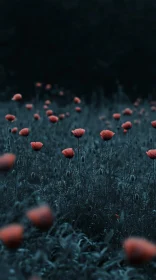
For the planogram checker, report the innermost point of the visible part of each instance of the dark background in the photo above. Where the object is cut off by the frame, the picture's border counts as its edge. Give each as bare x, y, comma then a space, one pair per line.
79, 44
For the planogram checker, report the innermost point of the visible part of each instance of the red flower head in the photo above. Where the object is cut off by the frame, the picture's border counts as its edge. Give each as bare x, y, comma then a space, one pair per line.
116, 116
139, 250
127, 112
14, 130
10, 118
151, 154
17, 97
45, 107
48, 87
12, 235
41, 217
106, 134
68, 153
24, 132
36, 116
7, 162
136, 104
77, 100
78, 109
53, 119
49, 112
47, 102
61, 116
38, 84
29, 106
61, 93
36, 146
153, 124
125, 131
127, 125
79, 132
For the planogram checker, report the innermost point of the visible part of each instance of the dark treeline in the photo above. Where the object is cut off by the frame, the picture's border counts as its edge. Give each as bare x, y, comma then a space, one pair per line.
79, 44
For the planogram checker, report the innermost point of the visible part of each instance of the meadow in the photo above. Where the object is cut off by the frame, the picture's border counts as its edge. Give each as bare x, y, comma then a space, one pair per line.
100, 192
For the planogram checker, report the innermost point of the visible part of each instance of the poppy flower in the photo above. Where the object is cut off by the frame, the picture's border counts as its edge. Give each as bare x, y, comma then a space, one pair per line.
41, 217
53, 119
29, 106
49, 112
12, 235
68, 153
116, 116
61, 116
36, 116
10, 118
106, 134
38, 84
153, 108
78, 109
151, 153
24, 132
136, 104
153, 123
48, 86
17, 97
125, 131
77, 100
127, 112
45, 107
139, 250
79, 132
7, 161
14, 130
61, 93
36, 146
47, 102
127, 125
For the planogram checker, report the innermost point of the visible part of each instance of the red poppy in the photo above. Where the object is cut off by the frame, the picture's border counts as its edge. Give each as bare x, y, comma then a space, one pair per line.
49, 112
41, 217
36, 146
12, 235
153, 123
10, 118
136, 104
78, 109
24, 132
45, 107
29, 106
38, 84
61, 116
77, 100
151, 153
106, 134
36, 116
116, 116
17, 97
127, 112
14, 130
53, 119
139, 250
47, 102
127, 125
125, 131
61, 93
48, 86
68, 153
7, 161
79, 132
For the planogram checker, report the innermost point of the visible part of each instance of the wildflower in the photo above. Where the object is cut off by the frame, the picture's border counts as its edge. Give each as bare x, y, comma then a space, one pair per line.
12, 235
10, 118
48, 86
79, 132
116, 116
78, 109
29, 106
127, 112
139, 250
136, 104
7, 161
127, 125
151, 153
61, 116
153, 123
68, 153
125, 131
41, 217
14, 130
45, 107
17, 97
24, 132
53, 119
61, 93
77, 100
49, 112
47, 102
38, 84
36, 116
106, 134
36, 146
